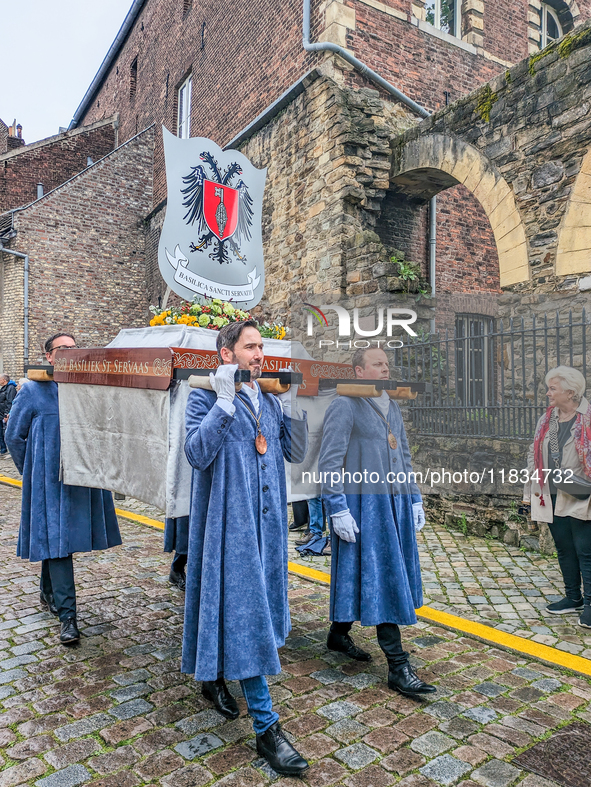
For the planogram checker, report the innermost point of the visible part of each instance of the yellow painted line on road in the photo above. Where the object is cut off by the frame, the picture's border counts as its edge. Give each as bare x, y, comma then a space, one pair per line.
144, 520
479, 630
511, 641
309, 573
4, 479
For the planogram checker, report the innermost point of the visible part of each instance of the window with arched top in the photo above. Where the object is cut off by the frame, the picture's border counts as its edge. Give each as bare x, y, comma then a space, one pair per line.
551, 28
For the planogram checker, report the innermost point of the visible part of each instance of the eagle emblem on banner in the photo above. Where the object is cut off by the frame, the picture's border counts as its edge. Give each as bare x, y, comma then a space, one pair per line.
221, 212
211, 241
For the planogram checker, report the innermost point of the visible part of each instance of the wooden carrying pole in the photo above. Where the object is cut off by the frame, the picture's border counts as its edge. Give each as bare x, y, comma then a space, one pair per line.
267, 384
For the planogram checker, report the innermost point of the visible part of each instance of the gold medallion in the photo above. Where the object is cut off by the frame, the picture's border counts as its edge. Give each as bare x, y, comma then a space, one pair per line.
260, 443
392, 441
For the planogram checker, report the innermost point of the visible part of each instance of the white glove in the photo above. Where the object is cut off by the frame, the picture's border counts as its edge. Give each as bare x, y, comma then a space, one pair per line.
345, 526
288, 397
222, 382
418, 513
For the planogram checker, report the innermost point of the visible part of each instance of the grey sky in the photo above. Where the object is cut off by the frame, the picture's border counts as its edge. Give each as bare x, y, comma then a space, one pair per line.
50, 52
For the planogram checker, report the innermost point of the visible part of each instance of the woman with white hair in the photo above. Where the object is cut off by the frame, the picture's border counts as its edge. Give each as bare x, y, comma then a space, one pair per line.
559, 489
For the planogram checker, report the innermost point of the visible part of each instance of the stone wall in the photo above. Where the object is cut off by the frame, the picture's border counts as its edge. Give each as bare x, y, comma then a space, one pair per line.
51, 162
531, 126
86, 244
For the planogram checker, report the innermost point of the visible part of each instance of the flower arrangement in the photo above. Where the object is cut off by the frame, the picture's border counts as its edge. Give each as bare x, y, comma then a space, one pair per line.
213, 315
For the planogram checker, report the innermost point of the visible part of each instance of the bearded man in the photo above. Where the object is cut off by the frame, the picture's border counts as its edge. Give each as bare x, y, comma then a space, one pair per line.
236, 608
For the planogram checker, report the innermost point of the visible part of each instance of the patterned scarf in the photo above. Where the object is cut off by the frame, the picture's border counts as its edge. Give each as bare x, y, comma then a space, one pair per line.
582, 443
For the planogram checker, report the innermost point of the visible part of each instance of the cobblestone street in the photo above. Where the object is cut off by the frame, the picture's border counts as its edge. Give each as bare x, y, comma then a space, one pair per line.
486, 581
116, 711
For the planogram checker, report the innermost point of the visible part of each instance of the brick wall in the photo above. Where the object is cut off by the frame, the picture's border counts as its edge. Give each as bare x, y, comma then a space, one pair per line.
86, 243
240, 66
51, 162
416, 62
506, 29
467, 259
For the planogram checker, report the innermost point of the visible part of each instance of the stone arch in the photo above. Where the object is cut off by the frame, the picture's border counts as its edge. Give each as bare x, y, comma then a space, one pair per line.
424, 166
574, 239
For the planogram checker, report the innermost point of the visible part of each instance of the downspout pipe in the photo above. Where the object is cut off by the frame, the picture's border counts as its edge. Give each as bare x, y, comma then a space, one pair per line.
365, 70
25, 257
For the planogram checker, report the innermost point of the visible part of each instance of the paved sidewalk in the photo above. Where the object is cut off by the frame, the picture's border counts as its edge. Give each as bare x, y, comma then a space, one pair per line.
116, 711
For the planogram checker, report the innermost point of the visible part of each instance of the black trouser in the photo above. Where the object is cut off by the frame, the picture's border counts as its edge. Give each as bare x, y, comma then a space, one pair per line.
573, 547
57, 577
3, 447
389, 640
179, 562
300, 512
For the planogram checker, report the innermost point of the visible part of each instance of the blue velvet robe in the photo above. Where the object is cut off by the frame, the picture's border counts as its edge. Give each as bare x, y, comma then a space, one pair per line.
56, 520
176, 534
378, 578
236, 608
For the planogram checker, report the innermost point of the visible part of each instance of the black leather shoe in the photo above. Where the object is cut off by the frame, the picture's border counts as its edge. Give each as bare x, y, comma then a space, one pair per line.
217, 692
48, 602
279, 753
69, 632
404, 680
343, 643
177, 578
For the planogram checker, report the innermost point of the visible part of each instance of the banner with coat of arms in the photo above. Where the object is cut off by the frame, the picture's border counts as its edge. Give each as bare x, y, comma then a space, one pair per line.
211, 242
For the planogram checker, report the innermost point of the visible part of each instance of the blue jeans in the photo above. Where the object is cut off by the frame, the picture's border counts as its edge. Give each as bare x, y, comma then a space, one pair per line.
316, 516
259, 703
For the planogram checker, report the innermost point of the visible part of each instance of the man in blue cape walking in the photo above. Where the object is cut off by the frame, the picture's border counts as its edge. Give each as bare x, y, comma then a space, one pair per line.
375, 508
56, 519
236, 608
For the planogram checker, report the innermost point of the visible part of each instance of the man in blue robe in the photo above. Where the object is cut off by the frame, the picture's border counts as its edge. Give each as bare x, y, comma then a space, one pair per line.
375, 509
236, 608
56, 520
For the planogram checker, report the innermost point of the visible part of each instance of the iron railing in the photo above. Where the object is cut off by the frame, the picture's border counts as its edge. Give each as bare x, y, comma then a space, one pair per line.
488, 377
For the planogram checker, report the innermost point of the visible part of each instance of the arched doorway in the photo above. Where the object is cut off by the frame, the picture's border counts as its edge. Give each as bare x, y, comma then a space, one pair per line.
435, 163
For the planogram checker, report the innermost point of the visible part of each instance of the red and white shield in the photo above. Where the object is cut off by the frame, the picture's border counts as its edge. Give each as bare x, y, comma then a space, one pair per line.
220, 208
